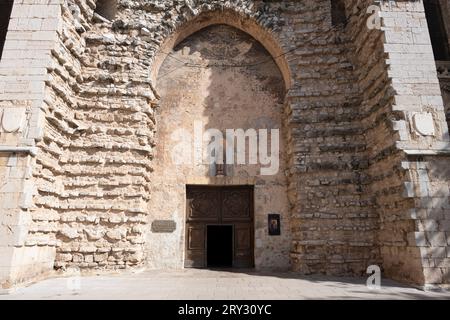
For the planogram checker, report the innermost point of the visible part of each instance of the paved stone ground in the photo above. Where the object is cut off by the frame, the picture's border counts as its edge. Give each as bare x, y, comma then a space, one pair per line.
210, 284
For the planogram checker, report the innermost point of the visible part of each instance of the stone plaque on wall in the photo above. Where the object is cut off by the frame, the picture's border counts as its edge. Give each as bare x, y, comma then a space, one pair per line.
164, 226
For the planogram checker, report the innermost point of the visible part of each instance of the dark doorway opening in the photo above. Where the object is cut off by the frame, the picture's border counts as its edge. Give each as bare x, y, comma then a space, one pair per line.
5, 14
219, 227
219, 246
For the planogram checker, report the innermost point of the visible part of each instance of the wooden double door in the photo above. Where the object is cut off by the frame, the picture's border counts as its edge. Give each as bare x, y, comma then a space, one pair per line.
219, 222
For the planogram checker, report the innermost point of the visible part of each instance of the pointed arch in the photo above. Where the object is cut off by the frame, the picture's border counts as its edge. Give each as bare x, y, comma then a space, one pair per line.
5, 15
233, 19
106, 8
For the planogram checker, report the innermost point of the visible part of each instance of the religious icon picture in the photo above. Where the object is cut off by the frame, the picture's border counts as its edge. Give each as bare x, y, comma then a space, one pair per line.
274, 225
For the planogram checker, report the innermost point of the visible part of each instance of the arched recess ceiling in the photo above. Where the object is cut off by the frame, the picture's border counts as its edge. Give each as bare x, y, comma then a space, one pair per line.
231, 18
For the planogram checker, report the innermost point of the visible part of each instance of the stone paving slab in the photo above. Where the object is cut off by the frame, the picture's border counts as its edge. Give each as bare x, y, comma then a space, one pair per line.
192, 284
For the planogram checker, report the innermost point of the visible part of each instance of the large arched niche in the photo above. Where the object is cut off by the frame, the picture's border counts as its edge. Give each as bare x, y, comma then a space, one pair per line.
222, 98
231, 18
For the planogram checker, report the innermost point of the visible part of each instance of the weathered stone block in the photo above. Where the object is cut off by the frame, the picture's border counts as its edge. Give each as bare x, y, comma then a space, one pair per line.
433, 275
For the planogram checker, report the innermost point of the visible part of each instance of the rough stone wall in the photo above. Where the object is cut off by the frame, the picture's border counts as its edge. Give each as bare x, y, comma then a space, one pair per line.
443, 67
430, 179
445, 9
108, 160
333, 222
444, 78
398, 82
432, 174
384, 175
422, 130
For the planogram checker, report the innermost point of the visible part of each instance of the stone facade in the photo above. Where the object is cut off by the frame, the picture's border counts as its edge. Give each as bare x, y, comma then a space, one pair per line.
88, 104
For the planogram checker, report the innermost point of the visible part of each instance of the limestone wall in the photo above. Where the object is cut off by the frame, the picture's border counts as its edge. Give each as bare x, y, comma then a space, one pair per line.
366, 137
398, 91
445, 8
419, 105
27, 233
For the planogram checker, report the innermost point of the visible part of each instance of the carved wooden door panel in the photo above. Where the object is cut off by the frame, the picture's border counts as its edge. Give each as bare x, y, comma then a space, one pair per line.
219, 206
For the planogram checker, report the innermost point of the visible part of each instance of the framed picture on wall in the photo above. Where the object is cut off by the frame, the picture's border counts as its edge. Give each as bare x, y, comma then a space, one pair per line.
274, 224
